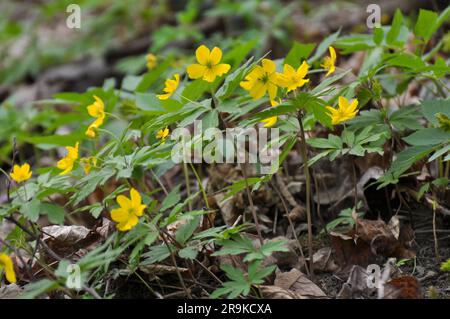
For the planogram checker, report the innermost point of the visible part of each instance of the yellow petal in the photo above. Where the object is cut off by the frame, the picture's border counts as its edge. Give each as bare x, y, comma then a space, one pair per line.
128, 224
221, 69
332, 54
119, 215
272, 88
331, 69
343, 102
268, 65
303, 69
215, 56
136, 199
271, 121
202, 54
196, 71
7, 264
164, 96
352, 107
123, 202
209, 75
258, 90
288, 70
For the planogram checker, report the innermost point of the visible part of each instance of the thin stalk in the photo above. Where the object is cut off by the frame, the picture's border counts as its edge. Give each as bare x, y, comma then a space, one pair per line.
304, 154
252, 207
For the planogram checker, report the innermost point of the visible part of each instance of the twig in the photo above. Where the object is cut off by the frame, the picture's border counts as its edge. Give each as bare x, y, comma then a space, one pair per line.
252, 207
291, 224
172, 255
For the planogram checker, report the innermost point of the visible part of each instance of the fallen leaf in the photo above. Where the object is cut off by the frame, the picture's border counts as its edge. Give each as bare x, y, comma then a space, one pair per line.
405, 287
299, 283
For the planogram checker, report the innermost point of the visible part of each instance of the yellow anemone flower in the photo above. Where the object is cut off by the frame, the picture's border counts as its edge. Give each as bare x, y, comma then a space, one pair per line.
66, 163
344, 112
329, 61
7, 264
162, 134
97, 110
208, 66
127, 216
151, 61
92, 128
170, 87
270, 121
88, 163
21, 173
292, 79
262, 79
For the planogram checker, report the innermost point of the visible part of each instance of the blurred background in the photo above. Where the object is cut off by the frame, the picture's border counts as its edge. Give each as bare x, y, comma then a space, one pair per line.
40, 55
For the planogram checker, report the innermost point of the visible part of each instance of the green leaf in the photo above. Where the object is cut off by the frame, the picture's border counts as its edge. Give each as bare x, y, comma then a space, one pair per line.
298, 53
187, 230
432, 107
378, 34
323, 46
149, 102
31, 210
54, 213
395, 28
188, 253
232, 81
171, 199
194, 90
426, 24
428, 136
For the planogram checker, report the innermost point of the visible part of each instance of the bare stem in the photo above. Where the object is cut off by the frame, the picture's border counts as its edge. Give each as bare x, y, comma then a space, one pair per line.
304, 154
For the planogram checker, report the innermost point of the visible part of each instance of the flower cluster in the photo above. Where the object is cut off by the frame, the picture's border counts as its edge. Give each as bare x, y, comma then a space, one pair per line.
97, 110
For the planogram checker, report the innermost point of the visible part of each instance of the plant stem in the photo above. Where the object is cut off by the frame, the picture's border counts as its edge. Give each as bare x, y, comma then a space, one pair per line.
188, 186
304, 154
200, 185
252, 207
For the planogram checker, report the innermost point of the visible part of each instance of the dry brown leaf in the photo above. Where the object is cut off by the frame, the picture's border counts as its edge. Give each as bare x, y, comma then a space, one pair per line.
324, 261
65, 240
11, 291
274, 292
405, 287
299, 283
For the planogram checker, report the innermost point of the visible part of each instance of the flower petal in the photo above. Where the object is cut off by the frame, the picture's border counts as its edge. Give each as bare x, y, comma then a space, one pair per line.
196, 71
136, 199
215, 56
202, 54
221, 69
268, 65
119, 215
343, 102
124, 202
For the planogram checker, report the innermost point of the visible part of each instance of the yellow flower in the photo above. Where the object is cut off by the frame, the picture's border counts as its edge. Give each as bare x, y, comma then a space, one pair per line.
271, 121
170, 87
21, 173
262, 79
209, 66
127, 216
7, 264
66, 164
292, 79
329, 61
88, 163
96, 109
162, 134
345, 111
151, 61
